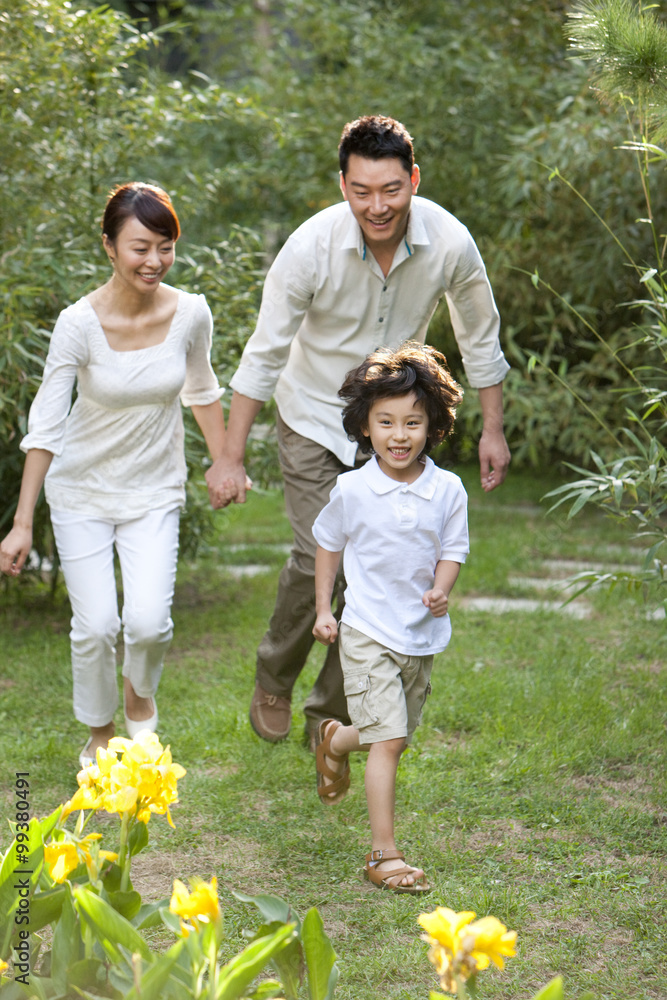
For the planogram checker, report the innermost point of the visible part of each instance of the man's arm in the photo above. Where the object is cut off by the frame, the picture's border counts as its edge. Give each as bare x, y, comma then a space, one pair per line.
226, 478
494, 454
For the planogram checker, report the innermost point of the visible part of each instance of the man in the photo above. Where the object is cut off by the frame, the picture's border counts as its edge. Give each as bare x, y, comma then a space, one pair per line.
352, 278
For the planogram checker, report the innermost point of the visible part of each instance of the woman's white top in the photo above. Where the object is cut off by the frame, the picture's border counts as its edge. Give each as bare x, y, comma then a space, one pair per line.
118, 451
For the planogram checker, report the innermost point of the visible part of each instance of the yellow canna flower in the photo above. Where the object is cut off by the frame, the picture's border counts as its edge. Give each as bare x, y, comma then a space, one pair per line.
3, 966
459, 947
196, 907
143, 781
492, 942
61, 858
445, 926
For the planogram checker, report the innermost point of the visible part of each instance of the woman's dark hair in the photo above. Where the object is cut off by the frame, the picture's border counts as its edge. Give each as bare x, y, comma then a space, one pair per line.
149, 204
412, 368
376, 138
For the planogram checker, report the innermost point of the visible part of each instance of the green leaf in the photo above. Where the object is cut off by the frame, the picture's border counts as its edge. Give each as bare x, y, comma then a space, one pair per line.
320, 957
289, 962
67, 944
170, 920
127, 904
109, 927
237, 974
19, 867
88, 974
153, 982
45, 906
138, 838
271, 907
149, 914
268, 989
552, 991
111, 879
47, 823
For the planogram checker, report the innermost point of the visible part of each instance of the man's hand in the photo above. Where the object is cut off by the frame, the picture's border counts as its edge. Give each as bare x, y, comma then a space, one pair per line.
325, 629
494, 459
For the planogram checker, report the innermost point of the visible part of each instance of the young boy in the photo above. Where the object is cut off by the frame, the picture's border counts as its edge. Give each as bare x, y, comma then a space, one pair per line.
403, 524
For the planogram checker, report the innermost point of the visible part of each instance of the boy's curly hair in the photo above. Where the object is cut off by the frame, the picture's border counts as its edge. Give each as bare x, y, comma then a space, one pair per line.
411, 368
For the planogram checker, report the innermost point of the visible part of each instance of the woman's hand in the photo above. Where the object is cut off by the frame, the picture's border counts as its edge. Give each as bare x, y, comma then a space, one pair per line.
15, 549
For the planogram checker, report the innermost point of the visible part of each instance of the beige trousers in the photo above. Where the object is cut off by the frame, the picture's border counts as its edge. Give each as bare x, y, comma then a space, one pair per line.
309, 473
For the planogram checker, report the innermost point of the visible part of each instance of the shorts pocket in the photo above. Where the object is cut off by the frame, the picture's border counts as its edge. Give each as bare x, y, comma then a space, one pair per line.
360, 700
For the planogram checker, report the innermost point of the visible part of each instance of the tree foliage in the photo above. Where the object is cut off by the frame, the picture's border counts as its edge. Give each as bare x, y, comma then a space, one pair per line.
237, 107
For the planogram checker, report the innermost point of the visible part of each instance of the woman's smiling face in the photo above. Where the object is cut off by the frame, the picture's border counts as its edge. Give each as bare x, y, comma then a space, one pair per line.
141, 257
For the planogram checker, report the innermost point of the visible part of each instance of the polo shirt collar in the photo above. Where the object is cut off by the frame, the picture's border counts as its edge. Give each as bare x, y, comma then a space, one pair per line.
381, 484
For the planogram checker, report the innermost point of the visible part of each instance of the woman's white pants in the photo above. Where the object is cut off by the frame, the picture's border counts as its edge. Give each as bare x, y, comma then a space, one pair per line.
147, 552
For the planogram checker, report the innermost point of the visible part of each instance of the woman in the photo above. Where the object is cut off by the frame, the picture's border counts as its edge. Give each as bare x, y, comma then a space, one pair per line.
113, 465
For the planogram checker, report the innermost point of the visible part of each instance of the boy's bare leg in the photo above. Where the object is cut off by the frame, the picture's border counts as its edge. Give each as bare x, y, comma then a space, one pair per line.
380, 781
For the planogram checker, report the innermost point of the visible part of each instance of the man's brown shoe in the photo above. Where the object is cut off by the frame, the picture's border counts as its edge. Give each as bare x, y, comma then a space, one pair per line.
270, 715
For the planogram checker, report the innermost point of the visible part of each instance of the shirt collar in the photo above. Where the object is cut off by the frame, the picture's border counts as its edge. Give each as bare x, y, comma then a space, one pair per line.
416, 235
375, 478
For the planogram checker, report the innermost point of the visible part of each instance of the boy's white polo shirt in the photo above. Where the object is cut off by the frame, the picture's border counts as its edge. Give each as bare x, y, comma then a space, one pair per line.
394, 534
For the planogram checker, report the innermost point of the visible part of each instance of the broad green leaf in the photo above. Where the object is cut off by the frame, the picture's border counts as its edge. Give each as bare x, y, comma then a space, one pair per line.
237, 974
45, 906
271, 907
552, 991
127, 904
109, 927
268, 989
149, 914
67, 945
19, 872
138, 838
320, 957
153, 981
289, 962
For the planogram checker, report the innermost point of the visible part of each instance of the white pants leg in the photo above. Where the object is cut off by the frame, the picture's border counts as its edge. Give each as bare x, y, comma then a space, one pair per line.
147, 550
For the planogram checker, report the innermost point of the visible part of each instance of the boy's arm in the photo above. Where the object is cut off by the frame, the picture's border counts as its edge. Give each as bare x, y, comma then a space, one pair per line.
437, 598
325, 629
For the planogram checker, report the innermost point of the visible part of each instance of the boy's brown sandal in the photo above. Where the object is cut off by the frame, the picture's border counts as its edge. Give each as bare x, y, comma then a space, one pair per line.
390, 880
337, 784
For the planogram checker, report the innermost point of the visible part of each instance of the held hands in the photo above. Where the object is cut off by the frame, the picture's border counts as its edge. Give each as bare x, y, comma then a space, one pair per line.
325, 628
227, 483
437, 601
14, 550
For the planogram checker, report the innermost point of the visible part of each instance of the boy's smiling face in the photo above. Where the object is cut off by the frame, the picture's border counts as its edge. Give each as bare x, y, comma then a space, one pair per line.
398, 427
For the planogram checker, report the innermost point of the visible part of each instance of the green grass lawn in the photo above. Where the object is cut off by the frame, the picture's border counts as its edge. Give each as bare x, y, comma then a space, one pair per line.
534, 790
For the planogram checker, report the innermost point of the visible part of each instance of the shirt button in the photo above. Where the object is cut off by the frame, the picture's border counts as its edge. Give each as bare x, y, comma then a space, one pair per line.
384, 288
381, 319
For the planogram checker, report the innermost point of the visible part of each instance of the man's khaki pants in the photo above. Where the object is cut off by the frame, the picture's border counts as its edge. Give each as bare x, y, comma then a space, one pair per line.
310, 473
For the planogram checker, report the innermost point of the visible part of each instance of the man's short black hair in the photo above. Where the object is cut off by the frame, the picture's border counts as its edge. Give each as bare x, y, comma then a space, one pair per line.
376, 137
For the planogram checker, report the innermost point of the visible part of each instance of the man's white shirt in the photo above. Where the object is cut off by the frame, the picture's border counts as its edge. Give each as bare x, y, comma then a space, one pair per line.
326, 305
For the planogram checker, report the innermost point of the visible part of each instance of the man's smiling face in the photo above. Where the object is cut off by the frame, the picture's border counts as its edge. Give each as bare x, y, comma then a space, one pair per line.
379, 192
